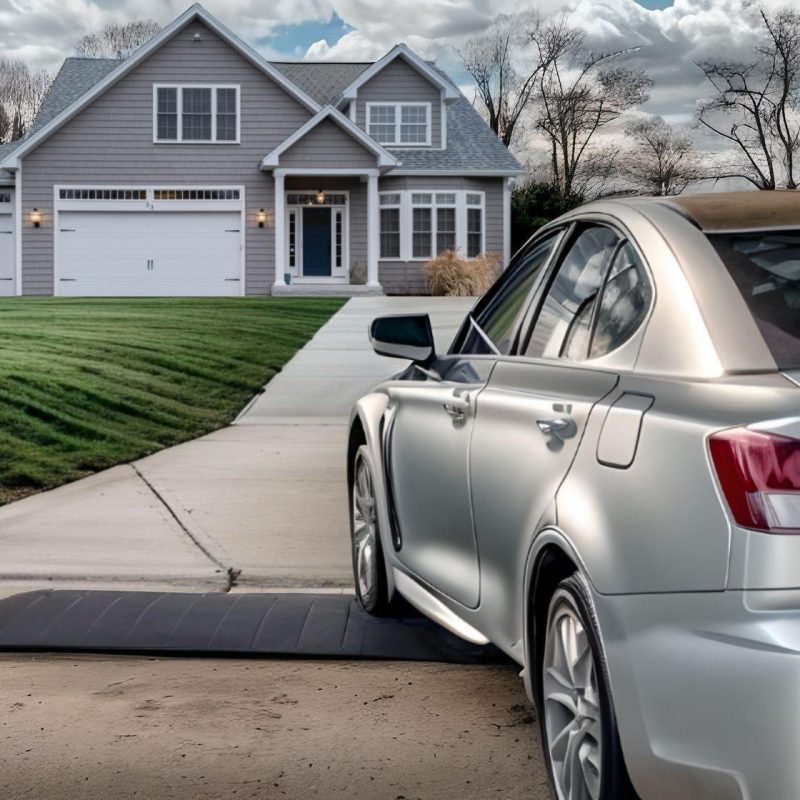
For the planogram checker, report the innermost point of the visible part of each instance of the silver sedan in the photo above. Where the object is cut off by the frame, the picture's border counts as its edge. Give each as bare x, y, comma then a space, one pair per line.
602, 477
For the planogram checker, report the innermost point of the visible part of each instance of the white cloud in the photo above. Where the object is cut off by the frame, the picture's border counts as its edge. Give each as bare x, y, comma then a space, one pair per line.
670, 40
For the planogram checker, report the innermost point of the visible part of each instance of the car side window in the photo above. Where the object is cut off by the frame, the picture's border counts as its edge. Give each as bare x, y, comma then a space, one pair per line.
497, 317
563, 326
626, 300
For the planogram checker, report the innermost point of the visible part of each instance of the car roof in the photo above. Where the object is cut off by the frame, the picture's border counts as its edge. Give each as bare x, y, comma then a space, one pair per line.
734, 211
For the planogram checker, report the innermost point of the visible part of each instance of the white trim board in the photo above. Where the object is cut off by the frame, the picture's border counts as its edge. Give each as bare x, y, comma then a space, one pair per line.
344, 171
457, 173
194, 12
18, 222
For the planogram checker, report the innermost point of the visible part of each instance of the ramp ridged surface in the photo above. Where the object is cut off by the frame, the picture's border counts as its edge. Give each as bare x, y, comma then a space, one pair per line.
311, 625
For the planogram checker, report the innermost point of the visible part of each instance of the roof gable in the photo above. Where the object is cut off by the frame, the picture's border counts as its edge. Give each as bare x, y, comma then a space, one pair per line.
383, 158
449, 92
124, 67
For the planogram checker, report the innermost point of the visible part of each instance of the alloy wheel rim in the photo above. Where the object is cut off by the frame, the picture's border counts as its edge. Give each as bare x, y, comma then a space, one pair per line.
572, 716
364, 528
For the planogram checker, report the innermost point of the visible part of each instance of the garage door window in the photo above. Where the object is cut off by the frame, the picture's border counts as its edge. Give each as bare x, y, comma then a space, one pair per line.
196, 114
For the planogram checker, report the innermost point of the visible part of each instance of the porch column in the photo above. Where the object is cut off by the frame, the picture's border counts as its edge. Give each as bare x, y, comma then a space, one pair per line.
280, 233
373, 231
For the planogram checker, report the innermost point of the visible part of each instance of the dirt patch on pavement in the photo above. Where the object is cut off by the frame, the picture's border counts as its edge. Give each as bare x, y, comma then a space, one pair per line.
101, 727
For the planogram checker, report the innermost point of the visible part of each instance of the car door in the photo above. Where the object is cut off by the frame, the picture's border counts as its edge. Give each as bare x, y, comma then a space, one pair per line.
429, 428
532, 414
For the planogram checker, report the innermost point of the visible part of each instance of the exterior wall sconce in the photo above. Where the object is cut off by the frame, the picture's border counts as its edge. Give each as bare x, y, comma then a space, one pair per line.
320, 197
36, 218
261, 217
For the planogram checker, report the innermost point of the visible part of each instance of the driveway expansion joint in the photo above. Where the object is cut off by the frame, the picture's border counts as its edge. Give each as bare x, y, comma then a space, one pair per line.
232, 573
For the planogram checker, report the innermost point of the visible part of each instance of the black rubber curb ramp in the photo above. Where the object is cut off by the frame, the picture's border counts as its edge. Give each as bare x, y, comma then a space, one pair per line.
270, 624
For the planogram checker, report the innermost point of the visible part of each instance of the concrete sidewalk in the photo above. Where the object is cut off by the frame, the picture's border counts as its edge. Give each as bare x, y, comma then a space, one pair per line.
261, 503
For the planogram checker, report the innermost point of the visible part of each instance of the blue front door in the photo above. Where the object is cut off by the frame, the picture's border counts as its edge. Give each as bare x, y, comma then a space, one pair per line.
317, 241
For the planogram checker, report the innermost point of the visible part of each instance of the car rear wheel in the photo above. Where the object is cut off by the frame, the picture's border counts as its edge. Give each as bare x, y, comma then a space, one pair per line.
579, 730
369, 569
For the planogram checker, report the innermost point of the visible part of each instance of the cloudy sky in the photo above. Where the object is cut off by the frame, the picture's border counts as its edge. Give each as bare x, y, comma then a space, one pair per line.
672, 34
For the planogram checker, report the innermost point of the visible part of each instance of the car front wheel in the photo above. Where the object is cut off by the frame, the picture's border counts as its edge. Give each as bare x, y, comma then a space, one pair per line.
369, 570
581, 742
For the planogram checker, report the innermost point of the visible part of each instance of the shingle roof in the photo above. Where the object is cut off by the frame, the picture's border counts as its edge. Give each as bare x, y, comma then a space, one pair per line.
324, 80
470, 146
74, 79
470, 143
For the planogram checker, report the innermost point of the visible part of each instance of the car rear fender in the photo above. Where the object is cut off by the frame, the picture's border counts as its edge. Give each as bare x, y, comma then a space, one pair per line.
548, 539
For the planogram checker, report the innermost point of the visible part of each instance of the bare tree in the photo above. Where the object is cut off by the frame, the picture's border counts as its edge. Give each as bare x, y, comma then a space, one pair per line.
22, 92
580, 93
117, 40
5, 126
756, 105
506, 72
663, 159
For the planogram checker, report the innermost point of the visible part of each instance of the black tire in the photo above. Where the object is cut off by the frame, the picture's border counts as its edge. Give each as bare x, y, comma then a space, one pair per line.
374, 599
572, 597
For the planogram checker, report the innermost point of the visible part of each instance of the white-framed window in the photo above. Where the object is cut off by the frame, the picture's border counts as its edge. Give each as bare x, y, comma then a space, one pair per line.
475, 223
338, 238
415, 226
390, 224
400, 124
292, 238
102, 193
433, 223
196, 114
5, 197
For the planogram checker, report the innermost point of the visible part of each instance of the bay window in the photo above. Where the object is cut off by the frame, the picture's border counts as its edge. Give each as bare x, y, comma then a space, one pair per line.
196, 114
416, 226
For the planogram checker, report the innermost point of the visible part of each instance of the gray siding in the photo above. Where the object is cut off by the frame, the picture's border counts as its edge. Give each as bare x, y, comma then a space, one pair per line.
400, 83
111, 143
357, 211
328, 145
405, 277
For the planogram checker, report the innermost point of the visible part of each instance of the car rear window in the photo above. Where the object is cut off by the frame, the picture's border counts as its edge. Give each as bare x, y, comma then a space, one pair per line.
766, 268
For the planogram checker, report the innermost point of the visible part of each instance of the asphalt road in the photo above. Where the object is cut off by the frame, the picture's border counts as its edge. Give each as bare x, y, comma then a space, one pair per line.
80, 728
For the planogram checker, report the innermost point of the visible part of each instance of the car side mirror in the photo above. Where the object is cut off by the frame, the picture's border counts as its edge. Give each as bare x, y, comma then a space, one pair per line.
408, 336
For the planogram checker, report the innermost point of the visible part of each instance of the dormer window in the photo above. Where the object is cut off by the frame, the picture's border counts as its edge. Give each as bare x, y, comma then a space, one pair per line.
196, 114
400, 124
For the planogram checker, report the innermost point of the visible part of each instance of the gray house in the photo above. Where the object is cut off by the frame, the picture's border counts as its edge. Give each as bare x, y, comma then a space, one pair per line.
195, 167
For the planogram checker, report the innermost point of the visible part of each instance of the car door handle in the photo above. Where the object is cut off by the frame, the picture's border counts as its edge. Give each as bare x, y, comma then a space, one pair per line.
555, 427
458, 406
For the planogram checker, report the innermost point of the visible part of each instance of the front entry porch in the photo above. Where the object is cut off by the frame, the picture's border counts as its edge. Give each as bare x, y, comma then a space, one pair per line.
326, 233
326, 206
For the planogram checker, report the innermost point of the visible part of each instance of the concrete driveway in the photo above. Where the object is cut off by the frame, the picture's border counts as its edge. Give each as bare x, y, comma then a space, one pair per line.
262, 501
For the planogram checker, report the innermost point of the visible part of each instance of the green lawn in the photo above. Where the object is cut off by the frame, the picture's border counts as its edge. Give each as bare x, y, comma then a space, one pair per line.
86, 384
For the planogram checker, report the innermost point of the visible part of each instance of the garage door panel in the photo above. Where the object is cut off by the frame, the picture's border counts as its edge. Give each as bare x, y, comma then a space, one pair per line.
149, 254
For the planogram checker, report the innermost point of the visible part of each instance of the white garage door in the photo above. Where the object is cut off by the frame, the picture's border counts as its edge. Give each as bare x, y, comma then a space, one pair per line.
7, 266
149, 254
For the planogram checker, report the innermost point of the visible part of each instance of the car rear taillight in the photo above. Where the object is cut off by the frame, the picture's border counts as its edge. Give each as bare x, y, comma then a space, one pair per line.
760, 477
